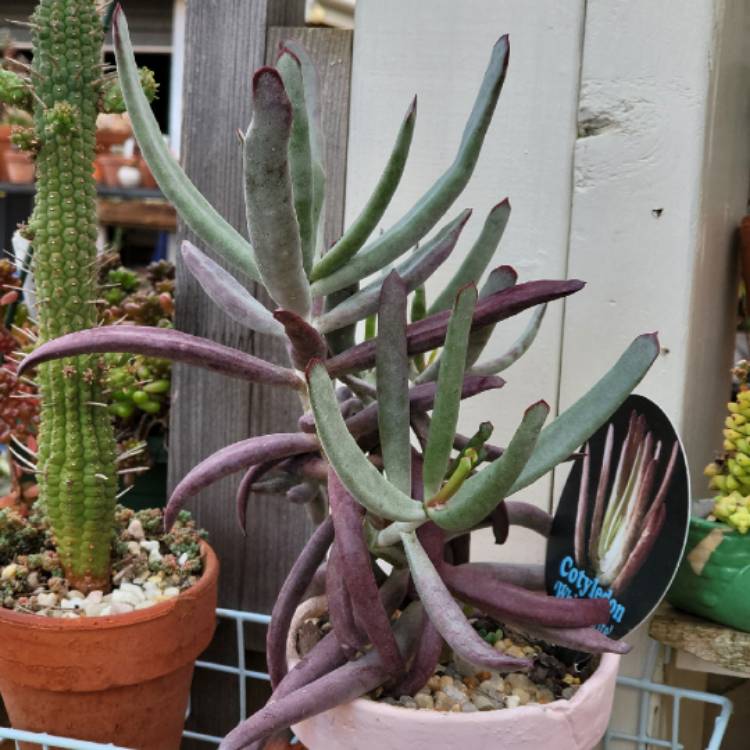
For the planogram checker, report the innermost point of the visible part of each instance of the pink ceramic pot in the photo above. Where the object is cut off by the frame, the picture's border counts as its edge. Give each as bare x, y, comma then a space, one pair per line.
577, 724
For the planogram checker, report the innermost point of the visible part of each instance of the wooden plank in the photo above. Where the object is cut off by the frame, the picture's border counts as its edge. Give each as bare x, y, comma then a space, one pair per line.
225, 41
158, 215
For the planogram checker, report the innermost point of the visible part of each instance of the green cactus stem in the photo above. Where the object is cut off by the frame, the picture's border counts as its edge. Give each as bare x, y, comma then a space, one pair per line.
77, 472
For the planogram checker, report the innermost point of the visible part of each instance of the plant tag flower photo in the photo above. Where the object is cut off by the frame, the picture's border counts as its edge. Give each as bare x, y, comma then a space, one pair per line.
621, 524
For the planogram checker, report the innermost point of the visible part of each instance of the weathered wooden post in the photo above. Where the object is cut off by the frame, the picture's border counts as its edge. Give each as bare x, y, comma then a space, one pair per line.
225, 41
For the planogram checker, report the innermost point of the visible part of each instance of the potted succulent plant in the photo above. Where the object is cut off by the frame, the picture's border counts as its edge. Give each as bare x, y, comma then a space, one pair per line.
390, 501
103, 614
713, 576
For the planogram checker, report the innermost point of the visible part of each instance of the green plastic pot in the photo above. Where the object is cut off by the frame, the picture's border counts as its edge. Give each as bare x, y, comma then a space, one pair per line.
713, 580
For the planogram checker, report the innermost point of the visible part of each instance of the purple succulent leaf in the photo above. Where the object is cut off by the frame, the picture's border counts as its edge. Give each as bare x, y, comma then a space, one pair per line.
421, 399
252, 475
519, 574
429, 333
503, 600
350, 636
303, 493
306, 342
290, 596
342, 685
227, 293
590, 640
446, 614
529, 516
355, 559
427, 657
234, 458
164, 343
349, 407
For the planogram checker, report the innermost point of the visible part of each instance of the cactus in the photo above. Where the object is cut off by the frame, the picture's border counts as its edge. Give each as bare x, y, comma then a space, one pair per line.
730, 474
388, 500
65, 89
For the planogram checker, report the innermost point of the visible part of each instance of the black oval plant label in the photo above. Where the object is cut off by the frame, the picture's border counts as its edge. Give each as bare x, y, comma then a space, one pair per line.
621, 524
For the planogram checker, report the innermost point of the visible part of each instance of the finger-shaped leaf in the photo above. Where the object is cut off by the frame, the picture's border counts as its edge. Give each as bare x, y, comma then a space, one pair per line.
364, 225
519, 348
348, 633
446, 614
305, 341
429, 333
344, 684
448, 397
290, 596
194, 209
358, 575
414, 273
590, 640
253, 475
233, 458
271, 219
165, 343
492, 596
580, 421
421, 399
480, 494
300, 155
477, 259
439, 198
529, 516
227, 293
366, 484
526, 576
392, 375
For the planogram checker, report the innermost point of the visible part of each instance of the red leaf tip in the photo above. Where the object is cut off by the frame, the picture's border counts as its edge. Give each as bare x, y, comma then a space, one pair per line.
284, 50
311, 365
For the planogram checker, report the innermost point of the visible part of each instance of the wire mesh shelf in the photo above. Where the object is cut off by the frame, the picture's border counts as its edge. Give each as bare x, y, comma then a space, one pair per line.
613, 740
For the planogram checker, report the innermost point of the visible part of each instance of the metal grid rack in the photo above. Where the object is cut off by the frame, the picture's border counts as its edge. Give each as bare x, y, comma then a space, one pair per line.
613, 740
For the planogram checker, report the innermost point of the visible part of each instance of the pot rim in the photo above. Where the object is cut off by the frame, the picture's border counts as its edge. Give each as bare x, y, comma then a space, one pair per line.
608, 663
70, 624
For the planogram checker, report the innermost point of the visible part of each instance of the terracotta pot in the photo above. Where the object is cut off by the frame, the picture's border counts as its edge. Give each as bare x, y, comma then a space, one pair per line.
122, 679
4, 146
576, 724
713, 577
109, 164
20, 167
106, 138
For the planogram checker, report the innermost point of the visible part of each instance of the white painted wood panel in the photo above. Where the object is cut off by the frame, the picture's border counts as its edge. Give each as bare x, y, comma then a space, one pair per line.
439, 50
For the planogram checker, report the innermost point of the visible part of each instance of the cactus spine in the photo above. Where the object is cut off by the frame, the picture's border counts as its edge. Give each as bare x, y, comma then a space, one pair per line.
77, 473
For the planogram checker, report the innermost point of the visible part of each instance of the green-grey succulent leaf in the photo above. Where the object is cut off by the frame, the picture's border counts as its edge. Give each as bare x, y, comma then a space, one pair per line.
300, 156
477, 259
414, 272
271, 218
364, 225
368, 486
228, 294
439, 198
194, 209
448, 397
480, 494
392, 378
580, 421
500, 278
519, 348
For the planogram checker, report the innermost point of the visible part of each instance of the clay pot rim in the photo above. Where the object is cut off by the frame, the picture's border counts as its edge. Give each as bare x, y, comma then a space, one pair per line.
608, 664
83, 624
16, 155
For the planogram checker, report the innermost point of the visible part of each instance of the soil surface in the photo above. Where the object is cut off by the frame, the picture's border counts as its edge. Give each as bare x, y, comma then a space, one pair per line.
461, 687
148, 566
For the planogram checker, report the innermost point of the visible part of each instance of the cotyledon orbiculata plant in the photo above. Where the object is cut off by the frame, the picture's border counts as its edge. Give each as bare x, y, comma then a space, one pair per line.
388, 499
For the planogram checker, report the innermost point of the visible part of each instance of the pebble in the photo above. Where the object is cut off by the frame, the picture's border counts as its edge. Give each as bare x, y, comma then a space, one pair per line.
120, 608
512, 701
124, 597
423, 700
9, 571
47, 600
135, 530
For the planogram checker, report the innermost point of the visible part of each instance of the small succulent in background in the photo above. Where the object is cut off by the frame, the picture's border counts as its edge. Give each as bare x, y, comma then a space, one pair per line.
730, 472
629, 504
389, 500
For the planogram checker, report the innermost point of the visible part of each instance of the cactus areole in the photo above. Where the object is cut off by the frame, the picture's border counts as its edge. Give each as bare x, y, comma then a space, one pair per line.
77, 475
368, 404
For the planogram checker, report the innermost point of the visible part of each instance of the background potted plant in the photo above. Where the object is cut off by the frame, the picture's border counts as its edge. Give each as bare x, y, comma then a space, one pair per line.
713, 577
389, 501
99, 662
